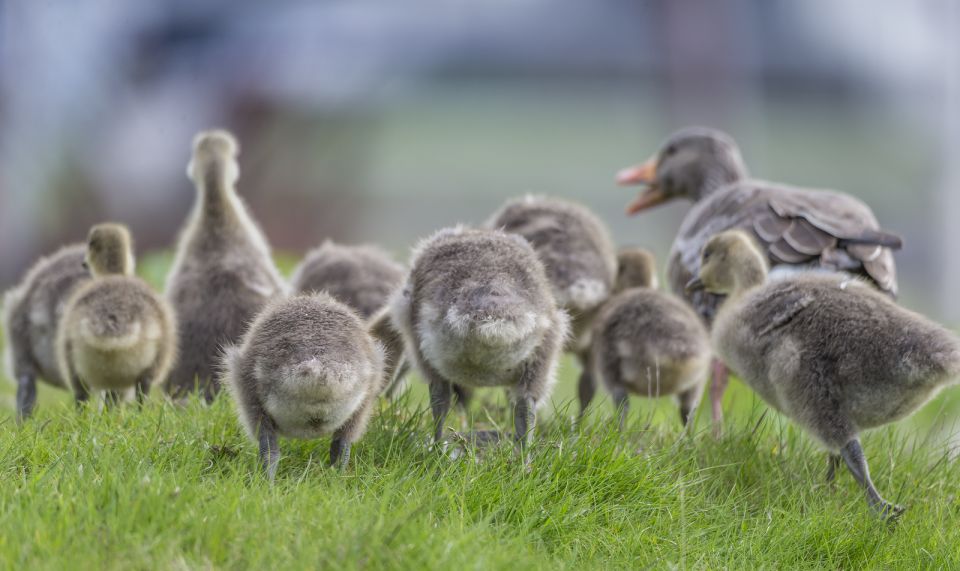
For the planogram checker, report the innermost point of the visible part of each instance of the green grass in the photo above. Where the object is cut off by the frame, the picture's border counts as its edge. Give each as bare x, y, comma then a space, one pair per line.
179, 487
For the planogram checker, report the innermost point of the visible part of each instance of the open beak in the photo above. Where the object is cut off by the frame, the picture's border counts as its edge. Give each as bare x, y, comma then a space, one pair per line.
645, 174
693, 285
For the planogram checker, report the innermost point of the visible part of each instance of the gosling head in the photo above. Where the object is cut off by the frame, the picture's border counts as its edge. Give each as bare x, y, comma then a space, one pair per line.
690, 164
729, 262
214, 151
109, 250
636, 267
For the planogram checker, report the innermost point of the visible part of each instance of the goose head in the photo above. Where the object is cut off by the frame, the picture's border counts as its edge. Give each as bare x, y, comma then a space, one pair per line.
689, 165
730, 262
109, 250
636, 267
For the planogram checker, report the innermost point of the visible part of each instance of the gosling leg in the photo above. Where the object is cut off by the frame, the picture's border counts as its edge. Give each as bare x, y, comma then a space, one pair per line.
852, 454
80, 394
350, 432
833, 462
440, 396
339, 453
269, 449
143, 387
621, 405
688, 405
524, 420
464, 396
586, 390
26, 396
210, 390
397, 385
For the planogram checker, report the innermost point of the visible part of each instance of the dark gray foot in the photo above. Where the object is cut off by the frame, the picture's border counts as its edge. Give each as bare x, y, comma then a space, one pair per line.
853, 455
339, 453
26, 396
440, 396
269, 451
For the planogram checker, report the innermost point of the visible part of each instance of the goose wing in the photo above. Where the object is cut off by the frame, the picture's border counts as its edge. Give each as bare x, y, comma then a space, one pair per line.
794, 226
829, 229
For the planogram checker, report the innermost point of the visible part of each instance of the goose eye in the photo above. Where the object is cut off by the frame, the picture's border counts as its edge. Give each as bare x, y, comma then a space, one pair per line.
670, 150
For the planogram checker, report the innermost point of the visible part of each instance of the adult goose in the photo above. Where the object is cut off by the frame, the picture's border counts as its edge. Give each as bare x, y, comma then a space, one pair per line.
796, 227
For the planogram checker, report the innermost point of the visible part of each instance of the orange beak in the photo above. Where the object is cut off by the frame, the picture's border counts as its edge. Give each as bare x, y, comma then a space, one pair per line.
643, 174
640, 174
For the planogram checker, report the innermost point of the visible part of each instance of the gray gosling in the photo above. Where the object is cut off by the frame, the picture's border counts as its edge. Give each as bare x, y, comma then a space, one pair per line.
579, 257
647, 343
829, 351
31, 314
477, 311
222, 274
362, 277
576, 250
307, 367
116, 333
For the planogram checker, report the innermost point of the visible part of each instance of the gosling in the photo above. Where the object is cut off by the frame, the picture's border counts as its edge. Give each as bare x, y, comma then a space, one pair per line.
647, 343
477, 311
116, 333
307, 367
829, 351
362, 277
31, 314
576, 250
578, 255
222, 274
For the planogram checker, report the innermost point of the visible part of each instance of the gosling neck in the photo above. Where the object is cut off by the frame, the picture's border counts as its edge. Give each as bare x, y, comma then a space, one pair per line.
116, 263
217, 196
750, 274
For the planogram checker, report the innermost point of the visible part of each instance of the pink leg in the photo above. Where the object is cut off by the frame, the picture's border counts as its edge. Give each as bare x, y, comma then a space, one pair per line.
721, 376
